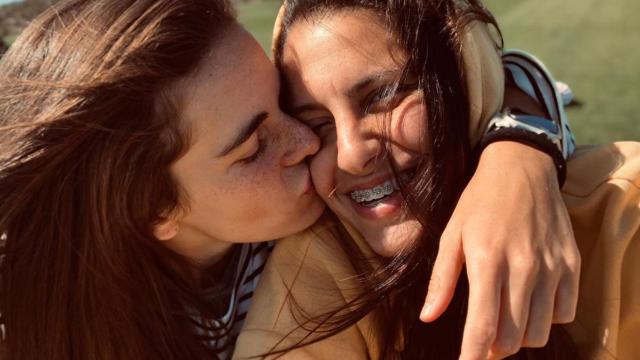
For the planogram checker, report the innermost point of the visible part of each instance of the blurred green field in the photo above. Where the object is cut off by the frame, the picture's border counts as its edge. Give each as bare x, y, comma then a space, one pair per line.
10, 39
591, 45
258, 17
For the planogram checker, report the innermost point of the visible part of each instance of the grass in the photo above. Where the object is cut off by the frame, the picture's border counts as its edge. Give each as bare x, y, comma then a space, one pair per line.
592, 46
10, 39
258, 17
589, 44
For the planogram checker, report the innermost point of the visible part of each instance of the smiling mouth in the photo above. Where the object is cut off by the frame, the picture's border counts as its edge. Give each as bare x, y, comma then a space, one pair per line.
376, 195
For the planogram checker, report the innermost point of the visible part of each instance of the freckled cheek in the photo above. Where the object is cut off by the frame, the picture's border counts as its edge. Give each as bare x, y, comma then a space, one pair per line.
262, 177
323, 167
252, 194
409, 124
269, 173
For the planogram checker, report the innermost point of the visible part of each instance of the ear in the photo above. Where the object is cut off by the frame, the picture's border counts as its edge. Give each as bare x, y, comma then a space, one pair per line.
166, 229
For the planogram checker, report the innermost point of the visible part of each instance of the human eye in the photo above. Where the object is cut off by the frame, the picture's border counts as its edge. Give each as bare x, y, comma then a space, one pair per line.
322, 126
255, 155
387, 97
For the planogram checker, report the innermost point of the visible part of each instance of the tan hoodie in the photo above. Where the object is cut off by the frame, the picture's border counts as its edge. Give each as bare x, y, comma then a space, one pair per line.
602, 193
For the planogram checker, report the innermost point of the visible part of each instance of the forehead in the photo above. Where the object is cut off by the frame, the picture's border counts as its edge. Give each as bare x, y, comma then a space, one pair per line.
234, 81
336, 49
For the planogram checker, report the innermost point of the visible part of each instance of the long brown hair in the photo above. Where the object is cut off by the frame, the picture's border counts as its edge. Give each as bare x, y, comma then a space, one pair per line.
88, 131
430, 32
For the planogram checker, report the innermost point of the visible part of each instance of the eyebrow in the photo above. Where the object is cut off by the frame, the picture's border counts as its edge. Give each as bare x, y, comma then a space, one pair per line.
306, 107
245, 133
371, 79
362, 84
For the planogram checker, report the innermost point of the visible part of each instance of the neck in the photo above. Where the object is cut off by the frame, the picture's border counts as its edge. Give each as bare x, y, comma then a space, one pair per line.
200, 249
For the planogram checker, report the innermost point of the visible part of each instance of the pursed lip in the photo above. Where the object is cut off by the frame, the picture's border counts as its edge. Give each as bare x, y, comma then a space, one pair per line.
309, 187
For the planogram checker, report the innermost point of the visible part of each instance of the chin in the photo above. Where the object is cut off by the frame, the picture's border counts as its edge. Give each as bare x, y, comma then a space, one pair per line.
391, 244
384, 247
309, 214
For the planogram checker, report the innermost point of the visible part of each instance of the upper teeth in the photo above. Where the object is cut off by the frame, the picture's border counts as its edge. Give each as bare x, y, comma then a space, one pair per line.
375, 193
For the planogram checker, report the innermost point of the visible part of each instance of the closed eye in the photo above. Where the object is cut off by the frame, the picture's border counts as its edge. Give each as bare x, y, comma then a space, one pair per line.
254, 155
386, 98
322, 126
319, 119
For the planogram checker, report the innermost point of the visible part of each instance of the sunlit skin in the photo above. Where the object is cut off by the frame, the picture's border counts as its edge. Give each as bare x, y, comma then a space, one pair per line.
259, 189
351, 114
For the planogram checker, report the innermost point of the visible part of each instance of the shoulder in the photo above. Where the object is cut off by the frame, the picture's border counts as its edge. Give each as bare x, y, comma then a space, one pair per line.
308, 264
319, 248
593, 166
307, 275
602, 194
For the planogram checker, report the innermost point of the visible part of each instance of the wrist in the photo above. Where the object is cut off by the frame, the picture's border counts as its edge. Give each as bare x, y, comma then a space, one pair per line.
506, 155
540, 142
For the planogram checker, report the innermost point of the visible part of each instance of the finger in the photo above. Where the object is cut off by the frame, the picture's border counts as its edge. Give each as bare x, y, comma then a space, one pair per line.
541, 314
444, 278
514, 311
482, 316
566, 300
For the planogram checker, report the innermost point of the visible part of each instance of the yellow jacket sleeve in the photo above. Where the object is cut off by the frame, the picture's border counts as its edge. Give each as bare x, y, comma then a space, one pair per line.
602, 194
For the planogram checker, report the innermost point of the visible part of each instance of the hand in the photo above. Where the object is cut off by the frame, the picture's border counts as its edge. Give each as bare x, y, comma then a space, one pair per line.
512, 230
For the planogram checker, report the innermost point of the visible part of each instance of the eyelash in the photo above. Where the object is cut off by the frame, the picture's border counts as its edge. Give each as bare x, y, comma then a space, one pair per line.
384, 93
253, 157
321, 125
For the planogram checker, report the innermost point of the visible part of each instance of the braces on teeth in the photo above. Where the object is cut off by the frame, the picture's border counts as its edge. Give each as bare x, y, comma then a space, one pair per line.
375, 193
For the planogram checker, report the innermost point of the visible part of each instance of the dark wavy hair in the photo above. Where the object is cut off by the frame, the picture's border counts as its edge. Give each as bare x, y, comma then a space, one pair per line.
430, 32
88, 131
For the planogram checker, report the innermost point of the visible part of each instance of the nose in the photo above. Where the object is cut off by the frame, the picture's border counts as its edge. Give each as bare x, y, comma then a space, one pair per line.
358, 146
302, 142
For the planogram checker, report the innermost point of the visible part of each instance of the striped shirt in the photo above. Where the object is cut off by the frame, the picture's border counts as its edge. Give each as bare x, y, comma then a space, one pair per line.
220, 334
